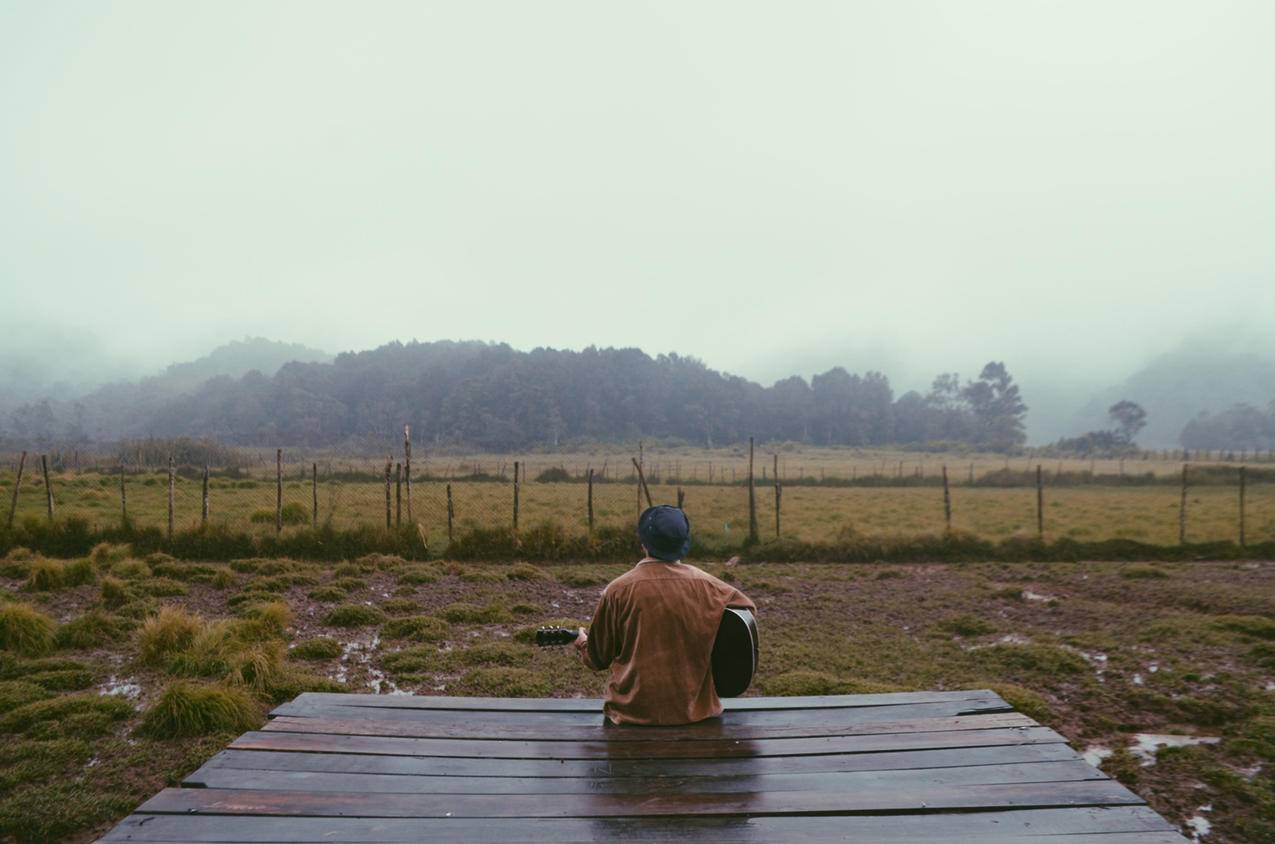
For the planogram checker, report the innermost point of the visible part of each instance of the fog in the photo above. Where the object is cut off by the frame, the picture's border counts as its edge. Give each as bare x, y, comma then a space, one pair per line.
1072, 187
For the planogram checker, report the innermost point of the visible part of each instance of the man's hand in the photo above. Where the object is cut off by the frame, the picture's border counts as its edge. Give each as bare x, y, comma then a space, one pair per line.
582, 642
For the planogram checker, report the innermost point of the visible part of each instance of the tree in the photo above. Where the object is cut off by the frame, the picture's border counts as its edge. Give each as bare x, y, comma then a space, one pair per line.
1128, 417
998, 408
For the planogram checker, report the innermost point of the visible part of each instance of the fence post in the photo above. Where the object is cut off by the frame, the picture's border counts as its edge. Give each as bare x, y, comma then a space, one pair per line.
451, 513
172, 479
642, 487
681, 498
1040, 504
1182, 510
123, 499
752, 497
17, 485
388, 503
203, 518
398, 494
516, 491
971, 474
590, 500
48, 484
779, 492
314, 495
407, 466
947, 503
278, 490
1243, 472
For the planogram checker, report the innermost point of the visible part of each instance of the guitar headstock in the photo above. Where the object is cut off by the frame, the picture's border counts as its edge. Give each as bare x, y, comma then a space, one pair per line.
548, 636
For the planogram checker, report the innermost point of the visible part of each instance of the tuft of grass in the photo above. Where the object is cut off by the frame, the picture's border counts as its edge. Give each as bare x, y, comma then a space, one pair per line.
1023, 699
462, 613
167, 633
350, 584
507, 682
78, 716
115, 592
25, 630
493, 653
353, 615
1257, 626
415, 660
351, 570
381, 562
1045, 660
66, 680
79, 572
473, 575
106, 553
187, 709
273, 617
15, 693
400, 606
417, 575
579, 578
130, 569
224, 578
92, 629
419, 628
163, 587
797, 683
966, 625
46, 575
1143, 572
328, 594
525, 608
321, 648
526, 571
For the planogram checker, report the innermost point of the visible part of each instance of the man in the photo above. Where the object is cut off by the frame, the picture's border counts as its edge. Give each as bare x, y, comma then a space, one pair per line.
654, 629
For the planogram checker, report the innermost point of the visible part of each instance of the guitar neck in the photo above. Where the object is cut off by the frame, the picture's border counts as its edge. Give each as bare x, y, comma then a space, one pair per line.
550, 636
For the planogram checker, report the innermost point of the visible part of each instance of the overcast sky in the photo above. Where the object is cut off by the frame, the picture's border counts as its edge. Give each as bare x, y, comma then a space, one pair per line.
775, 187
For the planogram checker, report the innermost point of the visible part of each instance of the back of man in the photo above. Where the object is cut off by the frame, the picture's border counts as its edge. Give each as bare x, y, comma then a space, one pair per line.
654, 628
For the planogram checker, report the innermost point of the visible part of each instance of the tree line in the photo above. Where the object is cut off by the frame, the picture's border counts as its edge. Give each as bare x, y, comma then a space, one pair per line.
493, 397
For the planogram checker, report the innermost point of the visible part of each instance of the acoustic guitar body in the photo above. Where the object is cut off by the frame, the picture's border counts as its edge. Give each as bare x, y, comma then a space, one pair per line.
735, 652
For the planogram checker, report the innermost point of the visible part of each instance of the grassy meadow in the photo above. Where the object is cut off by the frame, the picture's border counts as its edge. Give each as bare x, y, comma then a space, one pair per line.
120, 675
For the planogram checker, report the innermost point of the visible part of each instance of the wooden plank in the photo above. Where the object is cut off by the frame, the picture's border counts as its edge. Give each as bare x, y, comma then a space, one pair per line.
1072, 771
711, 732
1013, 825
928, 798
350, 763
754, 717
505, 704
394, 746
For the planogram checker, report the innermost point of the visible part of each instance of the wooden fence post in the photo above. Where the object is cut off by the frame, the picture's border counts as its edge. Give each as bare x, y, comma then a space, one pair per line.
203, 518
642, 487
779, 493
752, 497
123, 499
48, 484
947, 502
1182, 510
1040, 504
389, 514
314, 495
451, 513
407, 466
278, 490
517, 488
638, 466
17, 485
172, 480
1243, 473
590, 500
398, 494
681, 498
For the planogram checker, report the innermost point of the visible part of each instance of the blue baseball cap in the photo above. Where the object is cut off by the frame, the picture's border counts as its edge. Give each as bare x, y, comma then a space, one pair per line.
665, 532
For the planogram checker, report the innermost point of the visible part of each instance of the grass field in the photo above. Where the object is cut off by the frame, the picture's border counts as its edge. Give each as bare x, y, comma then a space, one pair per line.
119, 675
1146, 513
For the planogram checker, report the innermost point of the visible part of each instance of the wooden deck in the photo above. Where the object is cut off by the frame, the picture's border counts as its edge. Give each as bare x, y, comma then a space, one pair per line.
920, 766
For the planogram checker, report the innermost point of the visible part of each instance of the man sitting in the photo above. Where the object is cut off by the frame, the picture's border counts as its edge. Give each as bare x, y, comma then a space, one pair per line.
654, 628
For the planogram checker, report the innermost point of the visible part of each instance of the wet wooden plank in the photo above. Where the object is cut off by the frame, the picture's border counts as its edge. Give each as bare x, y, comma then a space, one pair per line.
939, 797
1117, 825
1070, 771
349, 763
708, 731
506, 704
747, 717
516, 749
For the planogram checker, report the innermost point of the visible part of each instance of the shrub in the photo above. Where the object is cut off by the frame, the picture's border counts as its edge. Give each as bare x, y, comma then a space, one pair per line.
421, 628
328, 594
223, 579
526, 571
114, 592
293, 514
507, 682
1143, 572
92, 629
15, 693
25, 630
353, 615
78, 572
130, 569
966, 625
163, 587
322, 648
163, 635
46, 575
381, 562
462, 613
188, 709
251, 596
106, 553
351, 570
471, 575
272, 618
257, 665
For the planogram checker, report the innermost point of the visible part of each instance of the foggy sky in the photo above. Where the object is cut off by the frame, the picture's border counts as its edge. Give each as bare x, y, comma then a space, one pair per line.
1072, 187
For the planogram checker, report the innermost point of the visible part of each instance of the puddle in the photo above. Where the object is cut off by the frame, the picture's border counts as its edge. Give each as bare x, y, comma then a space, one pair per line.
123, 688
1036, 596
1198, 824
1094, 754
1137, 679
1146, 745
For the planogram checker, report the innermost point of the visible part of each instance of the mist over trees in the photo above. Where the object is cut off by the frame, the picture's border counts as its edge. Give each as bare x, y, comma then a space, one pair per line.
1241, 426
493, 397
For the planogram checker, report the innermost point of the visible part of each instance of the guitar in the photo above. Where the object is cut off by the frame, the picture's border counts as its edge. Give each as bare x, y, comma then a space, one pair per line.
735, 649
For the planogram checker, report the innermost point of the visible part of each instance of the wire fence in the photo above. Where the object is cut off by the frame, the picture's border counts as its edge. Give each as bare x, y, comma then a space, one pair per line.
1201, 504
